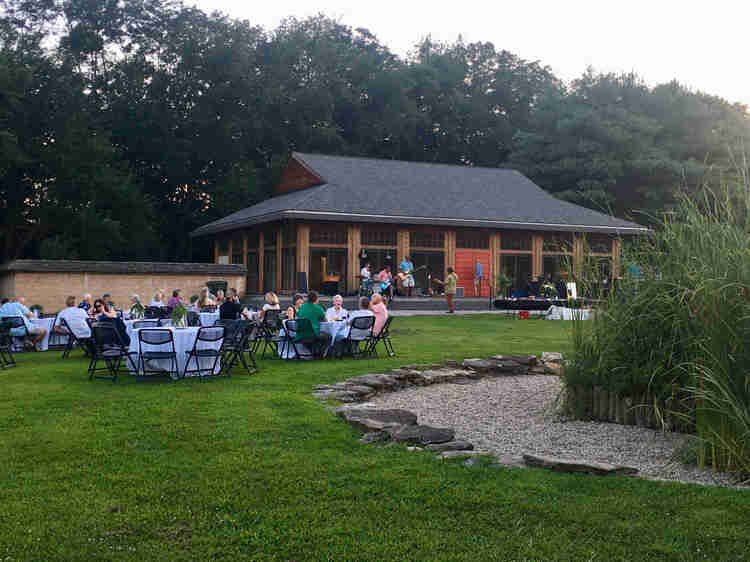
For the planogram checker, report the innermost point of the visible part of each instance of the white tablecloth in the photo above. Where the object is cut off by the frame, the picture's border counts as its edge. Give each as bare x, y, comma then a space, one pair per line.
129, 326
564, 313
337, 330
208, 318
184, 339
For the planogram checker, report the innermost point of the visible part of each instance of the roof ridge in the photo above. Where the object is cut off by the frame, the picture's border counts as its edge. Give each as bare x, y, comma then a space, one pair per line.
373, 159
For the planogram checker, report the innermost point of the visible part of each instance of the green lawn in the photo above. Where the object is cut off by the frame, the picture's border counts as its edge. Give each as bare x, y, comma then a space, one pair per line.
255, 468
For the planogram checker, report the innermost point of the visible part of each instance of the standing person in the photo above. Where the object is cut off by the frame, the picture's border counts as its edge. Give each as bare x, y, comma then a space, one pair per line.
379, 310
407, 268
450, 288
386, 282
478, 276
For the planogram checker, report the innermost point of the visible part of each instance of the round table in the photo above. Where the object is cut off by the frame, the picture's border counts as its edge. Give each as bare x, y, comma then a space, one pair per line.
184, 339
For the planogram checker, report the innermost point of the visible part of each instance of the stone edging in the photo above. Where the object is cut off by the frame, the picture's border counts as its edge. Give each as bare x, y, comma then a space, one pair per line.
400, 426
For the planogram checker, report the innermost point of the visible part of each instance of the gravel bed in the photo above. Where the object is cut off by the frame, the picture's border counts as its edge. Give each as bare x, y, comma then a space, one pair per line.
516, 415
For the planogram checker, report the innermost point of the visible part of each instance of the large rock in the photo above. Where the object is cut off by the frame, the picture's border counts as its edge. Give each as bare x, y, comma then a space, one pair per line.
343, 395
527, 360
371, 419
438, 376
451, 446
553, 356
376, 381
422, 434
374, 437
572, 465
479, 365
411, 376
463, 454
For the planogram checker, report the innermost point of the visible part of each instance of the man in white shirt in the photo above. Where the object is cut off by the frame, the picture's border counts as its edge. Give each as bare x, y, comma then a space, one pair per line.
364, 310
75, 318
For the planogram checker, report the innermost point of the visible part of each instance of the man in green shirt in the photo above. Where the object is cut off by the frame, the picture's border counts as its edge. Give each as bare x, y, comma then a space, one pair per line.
313, 312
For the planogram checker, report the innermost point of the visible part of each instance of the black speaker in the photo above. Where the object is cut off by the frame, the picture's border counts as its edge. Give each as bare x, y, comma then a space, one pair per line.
302, 281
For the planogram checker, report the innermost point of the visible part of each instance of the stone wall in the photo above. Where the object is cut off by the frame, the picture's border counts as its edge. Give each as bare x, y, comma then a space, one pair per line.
50, 286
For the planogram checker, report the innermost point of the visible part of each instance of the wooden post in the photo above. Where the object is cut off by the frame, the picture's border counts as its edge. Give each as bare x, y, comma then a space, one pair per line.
261, 259
494, 259
244, 247
279, 257
303, 250
354, 245
216, 249
537, 244
450, 251
402, 247
616, 250
578, 248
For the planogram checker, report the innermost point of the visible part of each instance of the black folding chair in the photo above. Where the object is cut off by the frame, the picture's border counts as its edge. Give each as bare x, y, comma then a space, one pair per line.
73, 340
163, 338
193, 319
237, 344
206, 335
268, 333
17, 322
6, 345
359, 339
383, 336
57, 341
108, 346
151, 323
291, 327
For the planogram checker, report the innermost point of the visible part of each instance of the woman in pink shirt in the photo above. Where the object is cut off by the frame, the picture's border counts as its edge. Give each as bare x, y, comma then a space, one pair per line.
379, 311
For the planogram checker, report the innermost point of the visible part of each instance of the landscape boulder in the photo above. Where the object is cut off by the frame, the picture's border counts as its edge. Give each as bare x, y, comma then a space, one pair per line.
422, 434
573, 465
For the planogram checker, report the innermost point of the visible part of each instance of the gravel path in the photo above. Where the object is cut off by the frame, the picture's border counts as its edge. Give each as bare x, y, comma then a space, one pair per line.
515, 415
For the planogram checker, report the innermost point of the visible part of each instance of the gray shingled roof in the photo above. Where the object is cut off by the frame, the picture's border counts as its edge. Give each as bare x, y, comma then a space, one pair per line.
394, 191
76, 266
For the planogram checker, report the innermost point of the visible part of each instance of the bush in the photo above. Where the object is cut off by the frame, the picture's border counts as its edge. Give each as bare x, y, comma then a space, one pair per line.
677, 333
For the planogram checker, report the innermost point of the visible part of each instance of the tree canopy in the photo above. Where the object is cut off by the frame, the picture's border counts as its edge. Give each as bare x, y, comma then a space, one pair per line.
125, 124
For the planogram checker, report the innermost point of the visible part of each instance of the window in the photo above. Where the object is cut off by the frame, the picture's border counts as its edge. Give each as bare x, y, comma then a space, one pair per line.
252, 272
378, 237
269, 271
517, 268
515, 241
558, 243
237, 247
557, 266
327, 234
472, 239
427, 239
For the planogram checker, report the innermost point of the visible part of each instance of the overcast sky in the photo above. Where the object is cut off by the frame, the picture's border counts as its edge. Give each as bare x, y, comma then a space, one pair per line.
704, 45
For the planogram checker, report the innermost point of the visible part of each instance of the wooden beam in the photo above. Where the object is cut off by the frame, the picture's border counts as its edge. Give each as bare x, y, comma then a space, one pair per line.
261, 259
216, 249
402, 246
494, 259
279, 256
578, 249
303, 250
450, 251
616, 257
537, 243
354, 240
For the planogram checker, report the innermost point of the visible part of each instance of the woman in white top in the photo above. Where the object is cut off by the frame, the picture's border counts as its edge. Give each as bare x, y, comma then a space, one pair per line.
158, 299
272, 303
337, 311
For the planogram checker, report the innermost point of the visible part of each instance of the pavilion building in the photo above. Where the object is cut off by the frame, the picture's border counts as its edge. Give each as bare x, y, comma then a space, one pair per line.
326, 209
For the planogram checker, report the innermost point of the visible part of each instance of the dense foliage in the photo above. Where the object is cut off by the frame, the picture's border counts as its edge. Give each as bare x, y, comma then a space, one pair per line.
676, 333
125, 124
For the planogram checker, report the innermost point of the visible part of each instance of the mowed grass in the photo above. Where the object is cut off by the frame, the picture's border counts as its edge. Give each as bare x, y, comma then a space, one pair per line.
256, 468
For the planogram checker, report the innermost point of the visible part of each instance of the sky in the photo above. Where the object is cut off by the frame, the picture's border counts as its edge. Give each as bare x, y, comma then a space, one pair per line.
704, 45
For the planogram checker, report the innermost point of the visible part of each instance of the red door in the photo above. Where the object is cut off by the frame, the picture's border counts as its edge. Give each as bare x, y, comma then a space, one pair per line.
465, 260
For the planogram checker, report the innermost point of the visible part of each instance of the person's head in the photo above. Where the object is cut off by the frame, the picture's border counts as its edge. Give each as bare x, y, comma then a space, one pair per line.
21, 300
135, 299
233, 293
159, 296
70, 301
406, 258
176, 294
204, 294
364, 303
87, 298
312, 296
219, 294
450, 270
368, 265
376, 299
338, 301
271, 298
298, 300
388, 268
99, 306
106, 297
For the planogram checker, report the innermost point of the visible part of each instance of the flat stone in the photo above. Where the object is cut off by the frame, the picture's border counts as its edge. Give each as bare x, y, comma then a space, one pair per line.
438, 376
463, 381
506, 366
374, 437
451, 363
528, 360
343, 395
479, 365
572, 465
422, 434
505, 461
376, 381
552, 356
538, 370
472, 461
411, 376
415, 449
462, 454
451, 446
370, 419
551, 368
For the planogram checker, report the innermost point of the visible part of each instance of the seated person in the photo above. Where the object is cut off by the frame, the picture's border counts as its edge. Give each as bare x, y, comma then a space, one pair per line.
379, 310
204, 299
175, 300
231, 309
85, 304
337, 311
313, 312
220, 298
107, 298
272, 303
533, 287
75, 317
18, 308
158, 299
364, 310
291, 312
105, 313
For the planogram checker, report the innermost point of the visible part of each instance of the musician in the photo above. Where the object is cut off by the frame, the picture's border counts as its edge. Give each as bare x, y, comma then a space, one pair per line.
450, 287
386, 282
478, 276
407, 274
